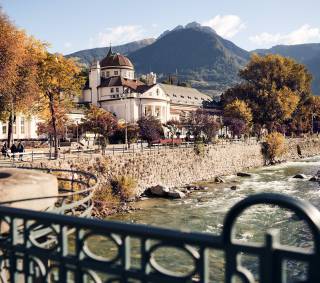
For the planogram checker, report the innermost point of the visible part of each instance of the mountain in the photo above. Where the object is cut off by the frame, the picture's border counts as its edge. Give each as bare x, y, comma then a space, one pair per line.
88, 55
196, 53
307, 54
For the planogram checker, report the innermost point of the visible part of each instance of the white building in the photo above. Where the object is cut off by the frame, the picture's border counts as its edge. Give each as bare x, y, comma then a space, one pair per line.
112, 86
23, 128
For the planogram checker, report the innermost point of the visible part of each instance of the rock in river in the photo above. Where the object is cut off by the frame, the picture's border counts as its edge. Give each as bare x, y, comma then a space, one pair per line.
176, 194
299, 176
243, 174
159, 191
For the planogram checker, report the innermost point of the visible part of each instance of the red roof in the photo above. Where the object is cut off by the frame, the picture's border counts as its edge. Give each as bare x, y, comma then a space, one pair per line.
135, 85
115, 60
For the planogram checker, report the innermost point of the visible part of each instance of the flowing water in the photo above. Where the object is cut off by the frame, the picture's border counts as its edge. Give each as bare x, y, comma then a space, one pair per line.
205, 211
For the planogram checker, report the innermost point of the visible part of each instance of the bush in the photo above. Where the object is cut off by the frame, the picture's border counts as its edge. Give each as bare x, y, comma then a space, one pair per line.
274, 146
199, 148
126, 187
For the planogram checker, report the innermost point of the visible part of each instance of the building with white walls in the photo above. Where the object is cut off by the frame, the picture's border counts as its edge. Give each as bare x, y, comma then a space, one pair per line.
112, 86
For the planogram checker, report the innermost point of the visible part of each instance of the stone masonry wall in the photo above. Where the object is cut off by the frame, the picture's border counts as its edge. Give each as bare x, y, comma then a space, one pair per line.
177, 167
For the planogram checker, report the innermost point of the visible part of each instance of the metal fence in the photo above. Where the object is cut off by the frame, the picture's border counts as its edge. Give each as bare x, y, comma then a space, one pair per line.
131, 253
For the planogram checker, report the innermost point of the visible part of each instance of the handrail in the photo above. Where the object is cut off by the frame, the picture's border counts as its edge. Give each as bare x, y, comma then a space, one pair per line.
42, 263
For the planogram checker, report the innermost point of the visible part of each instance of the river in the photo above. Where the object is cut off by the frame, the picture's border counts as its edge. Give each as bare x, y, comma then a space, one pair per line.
205, 210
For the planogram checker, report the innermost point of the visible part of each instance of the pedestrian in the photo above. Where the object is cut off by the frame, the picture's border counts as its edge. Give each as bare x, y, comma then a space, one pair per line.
4, 150
20, 149
13, 150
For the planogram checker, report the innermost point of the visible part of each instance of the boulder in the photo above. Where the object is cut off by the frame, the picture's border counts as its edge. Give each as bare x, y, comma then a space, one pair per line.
159, 191
219, 180
314, 179
234, 188
243, 174
176, 194
299, 176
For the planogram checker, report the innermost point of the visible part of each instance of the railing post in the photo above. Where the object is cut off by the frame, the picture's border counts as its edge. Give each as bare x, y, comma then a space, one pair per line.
32, 156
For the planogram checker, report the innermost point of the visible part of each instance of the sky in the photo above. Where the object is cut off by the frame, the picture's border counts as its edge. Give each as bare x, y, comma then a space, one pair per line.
72, 25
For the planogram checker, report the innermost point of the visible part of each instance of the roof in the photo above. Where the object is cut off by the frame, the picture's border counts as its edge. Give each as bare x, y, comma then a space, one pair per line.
134, 85
185, 95
115, 60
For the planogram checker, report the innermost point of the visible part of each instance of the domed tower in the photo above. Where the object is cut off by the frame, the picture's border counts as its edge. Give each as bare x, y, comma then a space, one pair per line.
115, 64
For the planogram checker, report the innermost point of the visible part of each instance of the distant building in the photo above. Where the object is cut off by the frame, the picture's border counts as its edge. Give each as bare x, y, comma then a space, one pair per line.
112, 86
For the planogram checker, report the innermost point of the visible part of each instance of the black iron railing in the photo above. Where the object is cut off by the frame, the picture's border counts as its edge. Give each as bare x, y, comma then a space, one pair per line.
105, 251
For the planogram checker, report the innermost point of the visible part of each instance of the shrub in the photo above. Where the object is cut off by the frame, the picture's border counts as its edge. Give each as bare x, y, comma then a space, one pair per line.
105, 194
199, 148
126, 187
274, 146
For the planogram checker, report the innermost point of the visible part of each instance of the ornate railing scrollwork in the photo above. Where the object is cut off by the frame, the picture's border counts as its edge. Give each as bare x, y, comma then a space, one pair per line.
106, 251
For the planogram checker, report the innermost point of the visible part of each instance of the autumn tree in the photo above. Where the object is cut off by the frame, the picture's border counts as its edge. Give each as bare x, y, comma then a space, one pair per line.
99, 121
239, 109
273, 87
60, 81
150, 129
274, 146
201, 122
19, 58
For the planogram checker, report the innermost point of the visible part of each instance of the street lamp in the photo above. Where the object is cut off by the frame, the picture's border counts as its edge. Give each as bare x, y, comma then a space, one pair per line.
123, 98
313, 115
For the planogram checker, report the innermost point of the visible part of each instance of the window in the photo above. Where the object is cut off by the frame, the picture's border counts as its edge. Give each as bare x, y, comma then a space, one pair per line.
181, 96
158, 111
157, 91
116, 73
4, 128
14, 128
117, 89
108, 74
112, 90
22, 125
174, 95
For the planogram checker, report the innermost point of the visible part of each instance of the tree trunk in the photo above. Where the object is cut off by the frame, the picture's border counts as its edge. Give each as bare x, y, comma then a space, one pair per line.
54, 126
10, 129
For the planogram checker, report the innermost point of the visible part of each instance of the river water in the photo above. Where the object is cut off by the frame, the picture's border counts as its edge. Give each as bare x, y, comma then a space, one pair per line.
205, 211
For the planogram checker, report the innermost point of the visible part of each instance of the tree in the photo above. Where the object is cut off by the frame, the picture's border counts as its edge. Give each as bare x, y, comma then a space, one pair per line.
237, 126
304, 116
18, 72
201, 122
273, 87
100, 121
238, 109
174, 128
60, 81
150, 129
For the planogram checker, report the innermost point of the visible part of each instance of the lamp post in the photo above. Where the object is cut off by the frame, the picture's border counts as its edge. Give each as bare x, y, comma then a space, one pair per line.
123, 98
312, 122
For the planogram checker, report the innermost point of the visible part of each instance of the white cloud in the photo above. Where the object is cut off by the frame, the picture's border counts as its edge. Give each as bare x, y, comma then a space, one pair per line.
304, 34
117, 35
226, 26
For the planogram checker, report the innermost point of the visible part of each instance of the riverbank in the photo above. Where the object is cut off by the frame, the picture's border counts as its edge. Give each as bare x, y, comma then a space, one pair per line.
178, 167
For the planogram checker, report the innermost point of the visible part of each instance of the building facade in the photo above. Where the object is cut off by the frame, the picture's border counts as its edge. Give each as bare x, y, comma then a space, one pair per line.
112, 86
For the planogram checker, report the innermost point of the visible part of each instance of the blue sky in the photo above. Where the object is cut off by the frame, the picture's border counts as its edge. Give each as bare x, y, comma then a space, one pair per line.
71, 25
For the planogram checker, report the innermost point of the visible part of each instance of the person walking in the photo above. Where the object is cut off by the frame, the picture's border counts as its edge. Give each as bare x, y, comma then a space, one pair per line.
20, 149
13, 150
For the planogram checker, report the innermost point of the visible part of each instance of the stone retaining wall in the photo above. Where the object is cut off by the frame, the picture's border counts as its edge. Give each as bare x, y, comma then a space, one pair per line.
180, 166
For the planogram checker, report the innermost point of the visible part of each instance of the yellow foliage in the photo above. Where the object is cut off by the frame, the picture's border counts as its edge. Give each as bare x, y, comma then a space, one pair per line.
238, 109
274, 146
